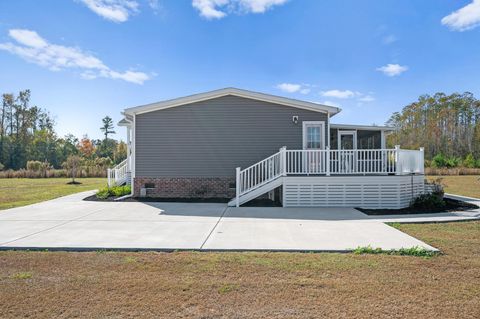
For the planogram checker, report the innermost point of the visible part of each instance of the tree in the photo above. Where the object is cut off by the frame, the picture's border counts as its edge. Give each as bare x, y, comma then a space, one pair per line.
107, 127
86, 147
72, 164
443, 124
7, 105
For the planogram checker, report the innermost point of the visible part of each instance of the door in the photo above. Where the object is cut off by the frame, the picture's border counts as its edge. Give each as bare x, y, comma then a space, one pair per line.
314, 141
347, 144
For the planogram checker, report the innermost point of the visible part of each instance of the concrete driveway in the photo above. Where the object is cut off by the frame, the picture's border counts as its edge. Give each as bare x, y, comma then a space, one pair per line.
70, 223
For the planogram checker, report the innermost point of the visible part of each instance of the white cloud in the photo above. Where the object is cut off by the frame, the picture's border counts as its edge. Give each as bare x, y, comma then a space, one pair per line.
289, 87
305, 91
392, 69
465, 18
260, 6
294, 88
367, 98
113, 10
389, 39
339, 94
33, 48
217, 9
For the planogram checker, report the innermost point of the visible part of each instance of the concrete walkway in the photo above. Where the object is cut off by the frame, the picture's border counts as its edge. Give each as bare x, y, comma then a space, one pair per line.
70, 223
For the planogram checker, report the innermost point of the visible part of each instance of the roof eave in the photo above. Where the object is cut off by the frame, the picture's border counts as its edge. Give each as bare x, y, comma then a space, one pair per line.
232, 91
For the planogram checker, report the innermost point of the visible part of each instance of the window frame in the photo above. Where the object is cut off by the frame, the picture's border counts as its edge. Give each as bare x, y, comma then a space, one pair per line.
305, 125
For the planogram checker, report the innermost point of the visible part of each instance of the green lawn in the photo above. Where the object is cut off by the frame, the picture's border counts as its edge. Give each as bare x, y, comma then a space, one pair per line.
16, 192
466, 185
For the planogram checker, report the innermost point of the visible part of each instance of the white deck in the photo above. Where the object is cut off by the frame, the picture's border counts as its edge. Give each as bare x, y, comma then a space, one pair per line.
365, 178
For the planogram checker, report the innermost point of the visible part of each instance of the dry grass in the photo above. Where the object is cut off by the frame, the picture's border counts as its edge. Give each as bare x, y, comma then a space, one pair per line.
16, 192
249, 285
466, 185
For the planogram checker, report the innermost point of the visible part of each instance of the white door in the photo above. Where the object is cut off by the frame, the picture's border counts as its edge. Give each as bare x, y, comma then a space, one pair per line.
347, 144
314, 139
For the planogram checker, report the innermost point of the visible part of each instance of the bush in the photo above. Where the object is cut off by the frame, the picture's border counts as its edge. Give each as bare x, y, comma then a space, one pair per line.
469, 161
120, 190
453, 162
439, 161
428, 201
117, 191
103, 193
1, 167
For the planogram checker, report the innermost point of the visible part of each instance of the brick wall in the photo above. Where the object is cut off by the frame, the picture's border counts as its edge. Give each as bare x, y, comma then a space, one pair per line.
187, 187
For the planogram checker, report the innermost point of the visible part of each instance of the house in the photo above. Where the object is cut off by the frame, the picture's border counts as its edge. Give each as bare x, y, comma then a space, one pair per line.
239, 145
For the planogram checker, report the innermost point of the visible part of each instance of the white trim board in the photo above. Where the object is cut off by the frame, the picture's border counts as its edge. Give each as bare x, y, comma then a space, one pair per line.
361, 127
236, 92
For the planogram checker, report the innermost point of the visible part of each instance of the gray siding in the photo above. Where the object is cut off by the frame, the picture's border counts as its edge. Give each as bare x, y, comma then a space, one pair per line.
211, 138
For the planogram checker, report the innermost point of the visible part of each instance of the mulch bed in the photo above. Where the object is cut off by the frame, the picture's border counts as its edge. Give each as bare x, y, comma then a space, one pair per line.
451, 205
260, 202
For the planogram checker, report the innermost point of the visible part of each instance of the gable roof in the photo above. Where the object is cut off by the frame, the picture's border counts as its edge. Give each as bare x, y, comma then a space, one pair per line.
235, 92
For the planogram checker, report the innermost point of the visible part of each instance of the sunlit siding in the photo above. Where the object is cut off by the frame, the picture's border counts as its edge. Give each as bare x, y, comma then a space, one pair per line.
211, 138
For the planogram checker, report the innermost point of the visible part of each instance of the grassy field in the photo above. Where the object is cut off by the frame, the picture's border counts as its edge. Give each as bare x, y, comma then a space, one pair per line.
249, 285
467, 185
16, 192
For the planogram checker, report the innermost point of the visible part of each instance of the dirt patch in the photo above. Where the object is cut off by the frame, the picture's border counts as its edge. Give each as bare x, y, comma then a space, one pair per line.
451, 205
248, 285
74, 183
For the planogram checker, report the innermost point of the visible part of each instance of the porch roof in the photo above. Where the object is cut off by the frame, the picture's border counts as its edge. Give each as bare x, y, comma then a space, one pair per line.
362, 127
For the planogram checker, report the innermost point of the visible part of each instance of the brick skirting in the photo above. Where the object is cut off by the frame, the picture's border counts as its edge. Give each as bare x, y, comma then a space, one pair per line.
187, 187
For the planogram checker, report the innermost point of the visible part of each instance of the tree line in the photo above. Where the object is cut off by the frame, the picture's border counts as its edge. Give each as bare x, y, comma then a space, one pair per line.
27, 136
447, 126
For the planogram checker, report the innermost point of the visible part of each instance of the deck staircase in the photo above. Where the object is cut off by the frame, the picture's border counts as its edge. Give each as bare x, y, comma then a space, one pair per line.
259, 178
119, 175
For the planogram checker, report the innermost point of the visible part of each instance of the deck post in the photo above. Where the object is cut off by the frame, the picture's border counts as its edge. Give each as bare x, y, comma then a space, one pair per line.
397, 160
237, 187
422, 160
283, 159
327, 161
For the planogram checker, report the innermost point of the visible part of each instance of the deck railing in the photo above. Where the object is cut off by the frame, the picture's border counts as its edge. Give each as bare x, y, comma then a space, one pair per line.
329, 162
118, 175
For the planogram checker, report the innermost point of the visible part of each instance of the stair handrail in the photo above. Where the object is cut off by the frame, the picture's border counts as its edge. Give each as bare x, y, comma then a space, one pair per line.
260, 173
117, 173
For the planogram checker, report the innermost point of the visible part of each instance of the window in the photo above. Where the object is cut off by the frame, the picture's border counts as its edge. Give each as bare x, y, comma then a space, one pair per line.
313, 135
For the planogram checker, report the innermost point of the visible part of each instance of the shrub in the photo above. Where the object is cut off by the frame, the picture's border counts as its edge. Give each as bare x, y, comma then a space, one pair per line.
118, 191
1, 167
439, 161
469, 161
453, 162
428, 201
103, 193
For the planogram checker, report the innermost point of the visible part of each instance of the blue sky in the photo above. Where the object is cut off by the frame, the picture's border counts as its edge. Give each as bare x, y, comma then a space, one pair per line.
84, 59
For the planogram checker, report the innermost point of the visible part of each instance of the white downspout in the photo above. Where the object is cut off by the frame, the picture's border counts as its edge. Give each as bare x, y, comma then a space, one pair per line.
328, 129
